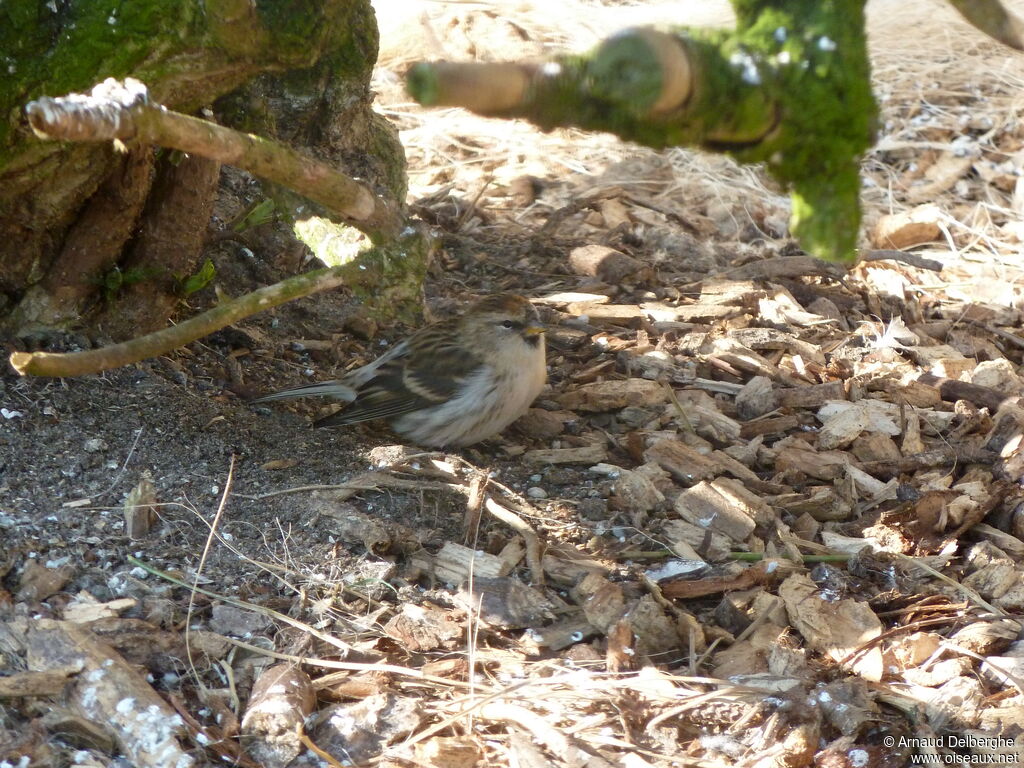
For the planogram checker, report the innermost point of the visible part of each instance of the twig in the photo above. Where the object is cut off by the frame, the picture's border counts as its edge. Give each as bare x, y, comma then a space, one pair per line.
530, 538
969, 593
753, 557
122, 111
474, 505
544, 732
938, 457
1013, 338
348, 666
679, 407
913, 627
344, 647
952, 390
913, 259
294, 489
898, 630
202, 563
162, 341
327, 757
951, 646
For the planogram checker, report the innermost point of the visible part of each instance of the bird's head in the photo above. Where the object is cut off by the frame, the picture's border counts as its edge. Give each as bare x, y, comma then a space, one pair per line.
498, 319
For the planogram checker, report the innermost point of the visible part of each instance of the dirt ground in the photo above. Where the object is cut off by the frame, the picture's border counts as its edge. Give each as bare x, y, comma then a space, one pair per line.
715, 335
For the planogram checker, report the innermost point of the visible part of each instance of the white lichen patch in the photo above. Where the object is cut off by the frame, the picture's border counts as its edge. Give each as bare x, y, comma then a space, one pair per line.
151, 731
747, 65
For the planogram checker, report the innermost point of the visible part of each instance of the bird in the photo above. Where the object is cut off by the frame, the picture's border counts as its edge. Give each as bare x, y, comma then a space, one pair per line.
452, 383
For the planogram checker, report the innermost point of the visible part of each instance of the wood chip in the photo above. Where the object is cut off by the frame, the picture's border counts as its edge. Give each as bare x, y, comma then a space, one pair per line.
140, 508
585, 454
281, 699
797, 456
707, 506
756, 398
110, 691
834, 626
425, 627
359, 732
39, 582
940, 177
505, 603
690, 541
685, 464
909, 228
542, 424
844, 421
449, 752
812, 396
454, 564
608, 264
760, 573
635, 491
616, 315
47, 683
614, 394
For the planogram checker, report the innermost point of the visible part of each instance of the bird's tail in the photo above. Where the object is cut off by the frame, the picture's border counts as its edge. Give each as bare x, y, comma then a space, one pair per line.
336, 389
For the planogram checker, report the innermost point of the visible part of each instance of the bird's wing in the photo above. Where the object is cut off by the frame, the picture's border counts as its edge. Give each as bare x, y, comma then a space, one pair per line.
438, 363
382, 395
345, 389
429, 371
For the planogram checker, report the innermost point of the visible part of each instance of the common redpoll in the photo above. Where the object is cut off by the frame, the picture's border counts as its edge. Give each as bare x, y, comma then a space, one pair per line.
452, 383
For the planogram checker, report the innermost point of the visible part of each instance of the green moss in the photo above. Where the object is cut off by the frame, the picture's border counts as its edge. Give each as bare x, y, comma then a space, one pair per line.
813, 56
76, 45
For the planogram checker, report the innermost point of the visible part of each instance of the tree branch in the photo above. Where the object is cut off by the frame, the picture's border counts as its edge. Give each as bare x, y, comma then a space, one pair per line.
366, 270
994, 20
116, 110
789, 87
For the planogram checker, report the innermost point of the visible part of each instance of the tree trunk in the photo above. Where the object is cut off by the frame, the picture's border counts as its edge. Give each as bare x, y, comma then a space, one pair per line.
72, 215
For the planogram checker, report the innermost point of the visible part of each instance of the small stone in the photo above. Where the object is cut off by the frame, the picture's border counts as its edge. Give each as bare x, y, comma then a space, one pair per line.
237, 622
635, 417
593, 509
95, 445
536, 492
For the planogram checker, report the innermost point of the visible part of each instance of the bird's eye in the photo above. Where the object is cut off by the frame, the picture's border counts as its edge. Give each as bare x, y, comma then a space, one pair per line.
507, 324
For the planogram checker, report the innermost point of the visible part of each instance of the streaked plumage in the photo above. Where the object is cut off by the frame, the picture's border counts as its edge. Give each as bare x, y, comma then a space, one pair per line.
452, 383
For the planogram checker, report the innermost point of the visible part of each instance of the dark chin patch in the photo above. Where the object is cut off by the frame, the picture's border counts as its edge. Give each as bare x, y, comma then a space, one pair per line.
533, 341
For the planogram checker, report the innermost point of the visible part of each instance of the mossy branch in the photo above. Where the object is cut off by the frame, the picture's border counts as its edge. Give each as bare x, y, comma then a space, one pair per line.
117, 110
368, 270
162, 341
789, 87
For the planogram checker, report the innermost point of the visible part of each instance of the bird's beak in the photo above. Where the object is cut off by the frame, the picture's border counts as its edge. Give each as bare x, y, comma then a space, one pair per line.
533, 330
